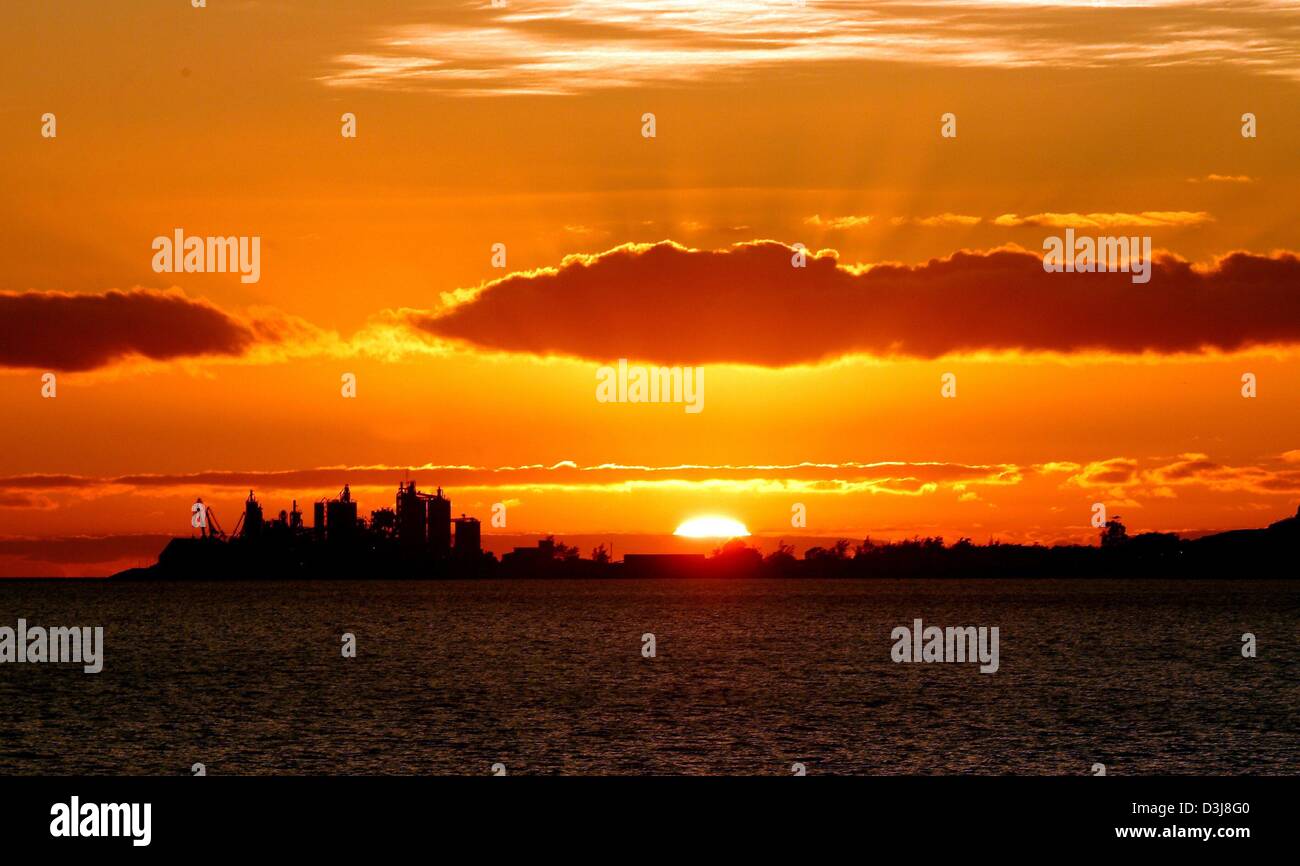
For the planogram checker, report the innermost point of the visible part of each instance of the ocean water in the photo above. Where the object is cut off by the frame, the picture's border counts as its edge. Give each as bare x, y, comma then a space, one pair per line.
548, 677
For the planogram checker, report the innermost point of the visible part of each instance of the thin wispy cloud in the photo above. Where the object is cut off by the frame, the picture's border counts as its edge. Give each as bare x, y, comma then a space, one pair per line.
1145, 219
561, 47
891, 476
943, 220
844, 223
838, 223
1143, 478
1222, 178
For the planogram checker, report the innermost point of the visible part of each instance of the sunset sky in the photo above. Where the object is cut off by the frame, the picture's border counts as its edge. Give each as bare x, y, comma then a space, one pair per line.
776, 124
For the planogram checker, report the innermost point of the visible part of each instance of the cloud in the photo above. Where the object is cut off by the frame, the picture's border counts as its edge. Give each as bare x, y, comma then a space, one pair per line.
1274, 476
854, 222
77, 555
838, 223
562, 47
41, 482
1058, 466
10, 499
889, 476
1145, 219
746, 304
1116, 472
57, 331
82, 549
66, 332
1222, 178
1199, 470
942, 220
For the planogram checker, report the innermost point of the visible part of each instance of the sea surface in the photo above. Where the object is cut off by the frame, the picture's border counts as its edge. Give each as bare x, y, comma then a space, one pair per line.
749, 677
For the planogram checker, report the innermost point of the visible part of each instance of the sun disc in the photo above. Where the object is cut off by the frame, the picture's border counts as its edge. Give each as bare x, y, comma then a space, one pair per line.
712, 526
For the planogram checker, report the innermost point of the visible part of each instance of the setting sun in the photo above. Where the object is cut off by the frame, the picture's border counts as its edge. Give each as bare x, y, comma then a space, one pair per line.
711, 526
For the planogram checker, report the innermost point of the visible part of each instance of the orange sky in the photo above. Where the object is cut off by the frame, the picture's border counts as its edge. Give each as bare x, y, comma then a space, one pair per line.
817, 125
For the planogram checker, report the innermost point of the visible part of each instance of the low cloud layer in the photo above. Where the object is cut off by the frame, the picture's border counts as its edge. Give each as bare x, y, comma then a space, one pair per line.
884, 477
747, 304
1130, 477
77, 555
1149, 477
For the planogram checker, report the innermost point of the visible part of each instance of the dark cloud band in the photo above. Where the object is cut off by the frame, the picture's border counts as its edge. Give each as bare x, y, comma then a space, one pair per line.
75, 332
748, 304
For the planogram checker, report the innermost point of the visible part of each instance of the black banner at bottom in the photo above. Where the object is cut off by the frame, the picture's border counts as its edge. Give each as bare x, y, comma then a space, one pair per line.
533, 815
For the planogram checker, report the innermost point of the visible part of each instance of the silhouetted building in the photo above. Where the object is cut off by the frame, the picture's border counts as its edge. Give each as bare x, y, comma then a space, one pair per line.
383, 522
531, 557
468, 537
341, 517
252, 517
411, 517
423, 520
439, 510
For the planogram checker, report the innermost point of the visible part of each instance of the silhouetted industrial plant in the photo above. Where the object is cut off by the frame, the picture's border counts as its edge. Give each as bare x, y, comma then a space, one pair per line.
418, 537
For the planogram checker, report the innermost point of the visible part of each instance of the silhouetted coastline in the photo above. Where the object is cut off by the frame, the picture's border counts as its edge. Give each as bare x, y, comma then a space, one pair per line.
414, 541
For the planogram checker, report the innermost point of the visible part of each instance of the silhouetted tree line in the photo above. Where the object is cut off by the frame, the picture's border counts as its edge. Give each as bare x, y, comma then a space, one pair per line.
1242, 553
1266, 552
